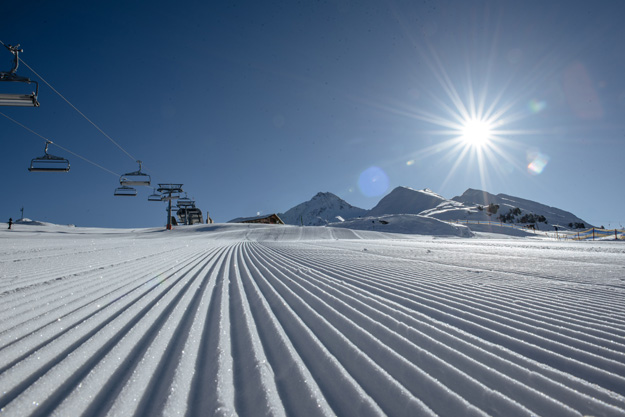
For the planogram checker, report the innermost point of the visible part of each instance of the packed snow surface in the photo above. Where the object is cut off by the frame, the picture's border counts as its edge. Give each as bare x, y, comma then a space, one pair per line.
255, 320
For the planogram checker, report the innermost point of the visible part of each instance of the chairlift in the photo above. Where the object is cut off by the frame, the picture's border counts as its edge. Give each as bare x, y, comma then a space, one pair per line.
185, 202
190, 216
155, 196
21, 100
48, 163
174, 188
125, 191
135, 178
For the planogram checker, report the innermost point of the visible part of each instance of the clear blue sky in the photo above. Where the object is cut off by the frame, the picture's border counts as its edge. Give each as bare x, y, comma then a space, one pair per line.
257, 106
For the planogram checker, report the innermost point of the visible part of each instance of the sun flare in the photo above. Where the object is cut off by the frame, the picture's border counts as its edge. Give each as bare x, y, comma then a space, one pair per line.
476, 132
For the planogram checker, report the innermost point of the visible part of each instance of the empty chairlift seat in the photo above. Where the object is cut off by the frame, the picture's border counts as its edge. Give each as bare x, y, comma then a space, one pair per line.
155, 196
185, 202
19, 100
48, 163
125, 191
135, 178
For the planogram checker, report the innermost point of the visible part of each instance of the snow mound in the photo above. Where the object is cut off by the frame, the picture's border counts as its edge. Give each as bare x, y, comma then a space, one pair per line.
406, 224
30, 222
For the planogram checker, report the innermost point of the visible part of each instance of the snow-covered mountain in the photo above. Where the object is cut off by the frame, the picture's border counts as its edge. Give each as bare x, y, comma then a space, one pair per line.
404, 200
516, 209
320, 210
327, 208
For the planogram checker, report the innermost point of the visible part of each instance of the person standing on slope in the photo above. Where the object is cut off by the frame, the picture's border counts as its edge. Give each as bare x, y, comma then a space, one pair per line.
10, 222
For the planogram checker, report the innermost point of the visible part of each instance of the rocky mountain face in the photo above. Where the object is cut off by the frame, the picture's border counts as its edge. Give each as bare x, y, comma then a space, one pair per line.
519, 210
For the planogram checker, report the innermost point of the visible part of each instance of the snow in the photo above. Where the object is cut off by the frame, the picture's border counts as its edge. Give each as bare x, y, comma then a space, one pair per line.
405, 200
406, 224
403, 204
320, 210
554, 216
249, 319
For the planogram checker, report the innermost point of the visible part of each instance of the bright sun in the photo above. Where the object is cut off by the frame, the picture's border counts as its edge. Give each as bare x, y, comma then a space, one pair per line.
476, 132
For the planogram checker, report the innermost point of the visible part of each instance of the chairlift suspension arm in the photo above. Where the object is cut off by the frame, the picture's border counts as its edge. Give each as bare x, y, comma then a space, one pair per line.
16, 52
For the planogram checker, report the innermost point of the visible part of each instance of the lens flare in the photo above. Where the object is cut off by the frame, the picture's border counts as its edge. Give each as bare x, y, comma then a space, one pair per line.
373, 182
538, 162
536, 106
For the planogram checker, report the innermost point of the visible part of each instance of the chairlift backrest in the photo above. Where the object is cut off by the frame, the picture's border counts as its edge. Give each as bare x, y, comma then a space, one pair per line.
48, 163
135, 178
155, 197
125, 191
185, 202
19, 100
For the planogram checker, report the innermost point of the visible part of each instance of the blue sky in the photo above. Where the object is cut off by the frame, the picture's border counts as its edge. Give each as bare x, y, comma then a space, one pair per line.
257, 107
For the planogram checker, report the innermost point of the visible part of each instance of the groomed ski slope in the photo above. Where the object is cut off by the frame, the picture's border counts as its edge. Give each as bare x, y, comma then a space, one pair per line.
255, 320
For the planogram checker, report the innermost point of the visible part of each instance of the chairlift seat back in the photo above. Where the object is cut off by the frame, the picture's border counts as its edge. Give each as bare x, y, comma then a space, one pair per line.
49, 163
135, 178
185, 202
19, 100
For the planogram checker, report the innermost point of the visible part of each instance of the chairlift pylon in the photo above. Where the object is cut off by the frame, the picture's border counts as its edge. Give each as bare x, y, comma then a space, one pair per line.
135, 178
125, 191
21, 100
48, 163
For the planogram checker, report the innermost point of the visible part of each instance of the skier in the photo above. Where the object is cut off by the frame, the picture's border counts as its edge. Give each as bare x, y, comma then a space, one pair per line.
10, 222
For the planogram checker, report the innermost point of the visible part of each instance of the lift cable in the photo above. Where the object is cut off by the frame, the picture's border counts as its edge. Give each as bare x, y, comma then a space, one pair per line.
83, 115
79, 112
75, 108
59, 146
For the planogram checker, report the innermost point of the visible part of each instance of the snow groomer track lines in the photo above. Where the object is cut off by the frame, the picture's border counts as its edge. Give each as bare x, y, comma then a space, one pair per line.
255, 320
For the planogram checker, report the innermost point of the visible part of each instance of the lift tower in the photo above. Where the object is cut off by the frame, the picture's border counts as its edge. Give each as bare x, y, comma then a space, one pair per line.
169, 192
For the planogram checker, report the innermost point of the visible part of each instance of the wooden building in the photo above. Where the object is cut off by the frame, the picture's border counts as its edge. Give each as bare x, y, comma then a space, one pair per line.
265, 219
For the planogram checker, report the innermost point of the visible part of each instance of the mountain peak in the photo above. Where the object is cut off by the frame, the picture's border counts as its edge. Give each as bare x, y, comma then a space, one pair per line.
322, 209
326, 194
405, 200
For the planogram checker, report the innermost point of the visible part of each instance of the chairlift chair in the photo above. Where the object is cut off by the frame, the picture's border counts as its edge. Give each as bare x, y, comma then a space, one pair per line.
155, 196
125, 191
48, 163
185, 202
21, 100
135, 178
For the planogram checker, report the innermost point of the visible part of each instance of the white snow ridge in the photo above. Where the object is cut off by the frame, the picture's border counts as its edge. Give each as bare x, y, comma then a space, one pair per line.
274, 320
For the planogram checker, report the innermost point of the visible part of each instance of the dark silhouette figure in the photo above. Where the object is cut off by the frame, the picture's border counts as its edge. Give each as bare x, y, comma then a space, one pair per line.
10, 222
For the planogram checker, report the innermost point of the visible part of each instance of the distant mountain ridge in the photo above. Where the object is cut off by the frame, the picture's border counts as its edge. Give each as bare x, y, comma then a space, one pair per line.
326, 208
